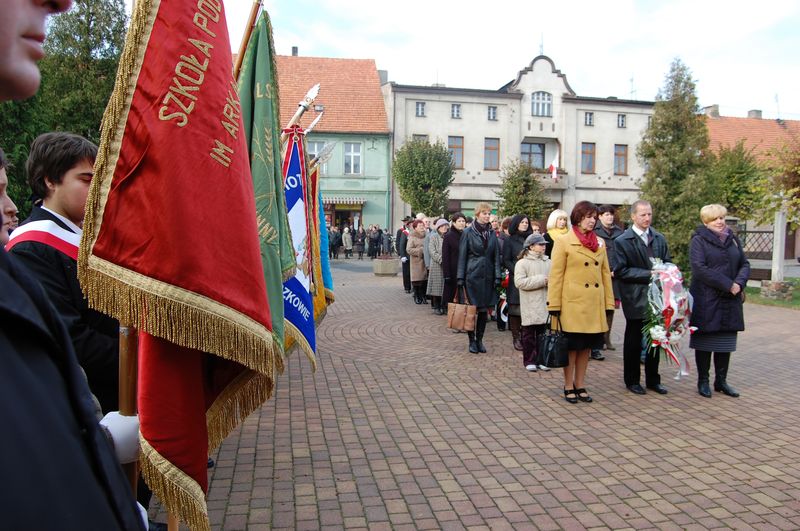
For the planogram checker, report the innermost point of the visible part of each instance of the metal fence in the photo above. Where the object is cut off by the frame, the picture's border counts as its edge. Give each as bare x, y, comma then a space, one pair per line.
757, 243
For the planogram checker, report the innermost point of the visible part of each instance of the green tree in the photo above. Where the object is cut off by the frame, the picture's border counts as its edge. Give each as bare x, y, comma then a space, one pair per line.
521, 192
672, 150
779, 187
733, 174
424, 172
83, 47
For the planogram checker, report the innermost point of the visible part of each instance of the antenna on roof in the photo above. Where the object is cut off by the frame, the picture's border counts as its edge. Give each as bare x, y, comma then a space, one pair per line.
541, 44
633, 90
777, 106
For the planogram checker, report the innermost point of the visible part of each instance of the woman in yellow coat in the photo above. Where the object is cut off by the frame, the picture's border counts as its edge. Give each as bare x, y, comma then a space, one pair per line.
579, 294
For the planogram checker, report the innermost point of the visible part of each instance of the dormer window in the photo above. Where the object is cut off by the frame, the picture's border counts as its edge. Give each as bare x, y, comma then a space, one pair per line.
542, 104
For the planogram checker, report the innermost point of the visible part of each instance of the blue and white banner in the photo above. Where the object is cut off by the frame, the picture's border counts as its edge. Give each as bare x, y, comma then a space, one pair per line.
298, 306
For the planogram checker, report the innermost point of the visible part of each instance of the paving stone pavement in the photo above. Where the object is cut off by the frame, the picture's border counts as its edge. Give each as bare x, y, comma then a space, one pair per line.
401, 428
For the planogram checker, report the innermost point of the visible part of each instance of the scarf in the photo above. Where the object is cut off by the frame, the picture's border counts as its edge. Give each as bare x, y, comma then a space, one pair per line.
588, 240
722, 235
555, 232
483, 232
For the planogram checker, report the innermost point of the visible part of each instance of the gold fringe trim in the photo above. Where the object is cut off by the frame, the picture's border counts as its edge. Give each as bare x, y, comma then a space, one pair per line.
295, 340
329, 296
179, 321
289, 273
180, 494
239, 399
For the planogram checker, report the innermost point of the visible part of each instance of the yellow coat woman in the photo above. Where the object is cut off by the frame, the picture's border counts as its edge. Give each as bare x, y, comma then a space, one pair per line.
580, 285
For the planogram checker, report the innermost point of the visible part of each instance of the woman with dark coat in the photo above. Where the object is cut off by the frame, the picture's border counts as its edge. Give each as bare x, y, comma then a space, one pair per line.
414, 249
359, 242
719, 275
518, 229
450, 243
479, 270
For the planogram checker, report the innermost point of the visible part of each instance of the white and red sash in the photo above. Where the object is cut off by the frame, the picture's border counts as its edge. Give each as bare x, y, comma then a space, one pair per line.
49, 233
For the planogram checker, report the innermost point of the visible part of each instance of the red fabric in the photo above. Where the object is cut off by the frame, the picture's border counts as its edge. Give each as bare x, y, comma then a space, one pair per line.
588, 240
172, 404
174, 213
47, 239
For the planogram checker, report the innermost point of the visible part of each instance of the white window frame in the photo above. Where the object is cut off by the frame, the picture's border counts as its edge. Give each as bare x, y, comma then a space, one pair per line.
455, 111
491, 113
420, 109
588, 118
542, 104
352, 158
622, 121
491, 152
314, 148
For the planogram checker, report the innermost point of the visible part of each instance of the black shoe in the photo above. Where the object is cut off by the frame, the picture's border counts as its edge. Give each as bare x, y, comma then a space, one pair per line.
725, 389
571, 396
637, 389
704, 389
481, 348
473, 347
583, 395
408, 291
517, 344
210, 463
658, 388
438, 311
596, 355
156, 526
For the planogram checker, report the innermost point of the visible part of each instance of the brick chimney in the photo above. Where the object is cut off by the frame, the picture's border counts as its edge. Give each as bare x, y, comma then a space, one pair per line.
711, 111
755, 113
294, 51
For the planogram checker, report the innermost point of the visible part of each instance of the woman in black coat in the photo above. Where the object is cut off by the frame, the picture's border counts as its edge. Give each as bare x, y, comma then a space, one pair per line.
479, 270
450, 256
518, 229
719, 274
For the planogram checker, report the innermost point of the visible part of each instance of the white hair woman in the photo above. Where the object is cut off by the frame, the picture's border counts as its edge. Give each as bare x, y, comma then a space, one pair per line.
557, 226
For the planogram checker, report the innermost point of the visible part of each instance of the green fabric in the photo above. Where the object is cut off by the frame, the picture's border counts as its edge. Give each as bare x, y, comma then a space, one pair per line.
258, 92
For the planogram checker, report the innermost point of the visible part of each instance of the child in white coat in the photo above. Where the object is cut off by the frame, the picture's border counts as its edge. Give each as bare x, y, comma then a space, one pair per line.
530, 276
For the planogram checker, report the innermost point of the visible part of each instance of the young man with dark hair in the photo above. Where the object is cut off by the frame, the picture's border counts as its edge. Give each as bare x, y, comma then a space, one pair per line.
53, 446
60, 169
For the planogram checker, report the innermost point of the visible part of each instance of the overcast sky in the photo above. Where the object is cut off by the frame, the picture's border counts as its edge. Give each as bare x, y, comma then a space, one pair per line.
742, 54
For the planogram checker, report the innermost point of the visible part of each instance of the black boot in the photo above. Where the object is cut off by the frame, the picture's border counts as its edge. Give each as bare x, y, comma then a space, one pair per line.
703, 360
722, 361
437, 306
480, 328
515, 324
473, 345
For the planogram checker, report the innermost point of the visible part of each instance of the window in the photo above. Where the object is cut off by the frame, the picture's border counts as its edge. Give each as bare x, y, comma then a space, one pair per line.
542, 104
456, 146
419, 138
620, 159
621, 119
587, 157
588, 118
420, 108
533, 154
492, 113
491, 154
313, 149
455, 110
352, 158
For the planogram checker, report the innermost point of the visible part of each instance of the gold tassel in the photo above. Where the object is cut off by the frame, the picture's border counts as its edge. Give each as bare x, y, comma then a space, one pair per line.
180, 494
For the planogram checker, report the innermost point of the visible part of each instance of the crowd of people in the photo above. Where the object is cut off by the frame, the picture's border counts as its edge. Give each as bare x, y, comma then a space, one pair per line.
346, 240
573, 278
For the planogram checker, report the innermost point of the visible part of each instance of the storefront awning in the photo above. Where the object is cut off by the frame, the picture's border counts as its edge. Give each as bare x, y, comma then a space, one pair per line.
343, 200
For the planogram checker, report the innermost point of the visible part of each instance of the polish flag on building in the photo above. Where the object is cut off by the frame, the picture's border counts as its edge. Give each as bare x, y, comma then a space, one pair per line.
553, 168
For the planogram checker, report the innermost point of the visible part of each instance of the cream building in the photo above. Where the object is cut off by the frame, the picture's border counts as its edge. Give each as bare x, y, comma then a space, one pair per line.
538, 118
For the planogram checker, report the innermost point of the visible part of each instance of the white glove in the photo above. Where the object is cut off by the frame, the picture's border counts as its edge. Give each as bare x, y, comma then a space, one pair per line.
143, 515
125, 434
404, 259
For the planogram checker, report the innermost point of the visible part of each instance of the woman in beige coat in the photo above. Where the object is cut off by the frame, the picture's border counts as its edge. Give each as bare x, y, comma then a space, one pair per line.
579, 294
416, 252
530, 277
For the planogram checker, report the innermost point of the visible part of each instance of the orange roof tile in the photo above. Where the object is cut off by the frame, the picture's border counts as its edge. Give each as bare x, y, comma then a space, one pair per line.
759, 134
350, 91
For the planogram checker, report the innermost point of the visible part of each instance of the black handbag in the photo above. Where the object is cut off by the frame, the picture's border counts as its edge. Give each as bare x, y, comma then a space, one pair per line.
553, 351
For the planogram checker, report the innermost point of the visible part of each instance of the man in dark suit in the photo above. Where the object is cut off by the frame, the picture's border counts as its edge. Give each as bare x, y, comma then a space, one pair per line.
60, 169
401, 241
635, 250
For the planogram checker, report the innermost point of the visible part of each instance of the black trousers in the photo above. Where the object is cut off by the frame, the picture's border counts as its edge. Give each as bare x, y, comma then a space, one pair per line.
530, 343
407, 275
631, 355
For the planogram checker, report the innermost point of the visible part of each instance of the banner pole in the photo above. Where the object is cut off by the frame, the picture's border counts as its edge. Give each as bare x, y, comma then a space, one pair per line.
251, 23
128, 375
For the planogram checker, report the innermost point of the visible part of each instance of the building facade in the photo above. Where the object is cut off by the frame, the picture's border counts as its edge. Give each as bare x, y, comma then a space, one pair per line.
537, 118
355, 180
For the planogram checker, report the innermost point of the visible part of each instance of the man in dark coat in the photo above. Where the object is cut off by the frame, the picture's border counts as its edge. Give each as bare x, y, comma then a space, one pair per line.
60, 168
519, 228
635, 249
608, 231
401, 242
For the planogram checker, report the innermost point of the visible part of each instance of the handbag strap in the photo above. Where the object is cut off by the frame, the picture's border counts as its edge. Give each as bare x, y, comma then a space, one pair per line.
558, 323
466, 297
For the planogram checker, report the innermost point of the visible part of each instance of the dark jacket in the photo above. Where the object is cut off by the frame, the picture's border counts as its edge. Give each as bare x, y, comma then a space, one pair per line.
336, 238
511, 249
632, 270
611, 250
401, 242
479, 267
95, 336
716, 265
53, 450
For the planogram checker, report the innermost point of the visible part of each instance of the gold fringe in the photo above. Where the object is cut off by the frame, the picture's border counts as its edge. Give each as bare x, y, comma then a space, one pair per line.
289, 273
295, 340
240, 398
179, 322
329, 296
180, 494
